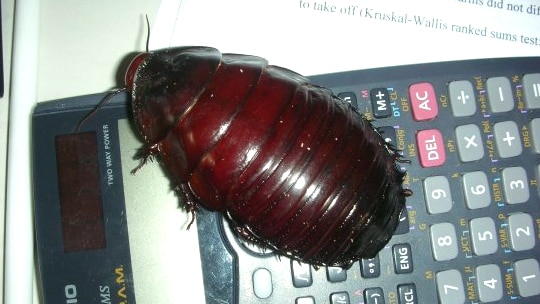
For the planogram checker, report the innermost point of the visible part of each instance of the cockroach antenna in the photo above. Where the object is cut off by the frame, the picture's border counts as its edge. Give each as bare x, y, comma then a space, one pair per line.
115, 92
98, 107
147, 33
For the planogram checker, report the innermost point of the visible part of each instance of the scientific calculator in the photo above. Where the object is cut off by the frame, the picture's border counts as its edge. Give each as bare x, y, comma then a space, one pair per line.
470, 233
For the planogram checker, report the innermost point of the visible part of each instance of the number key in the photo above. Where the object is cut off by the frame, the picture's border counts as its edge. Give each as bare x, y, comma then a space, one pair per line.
443, 241
450, 287
437, 192
522, 236
516, 188
476, 188
527, 274
489, 283
484, 236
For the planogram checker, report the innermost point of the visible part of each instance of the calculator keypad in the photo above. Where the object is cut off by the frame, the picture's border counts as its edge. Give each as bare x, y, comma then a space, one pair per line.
470, 232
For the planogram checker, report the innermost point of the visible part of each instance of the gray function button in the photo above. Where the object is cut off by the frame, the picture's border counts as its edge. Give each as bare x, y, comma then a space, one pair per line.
349, 97
462, 99
484, 236
515, 185
373, 295
305, 300
489, 283
407, 294
403, 262
450, 287
476, 188
527, 274
499, 91
522, 235
336, 274
507, 139
380, 102
538, 175
301, 274
531, 87
437, 193
444, 245
262, 283
370, 268
534, 128
339, 298
469, 143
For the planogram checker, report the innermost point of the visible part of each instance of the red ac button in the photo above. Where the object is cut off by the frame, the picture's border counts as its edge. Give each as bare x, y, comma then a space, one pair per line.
423, 101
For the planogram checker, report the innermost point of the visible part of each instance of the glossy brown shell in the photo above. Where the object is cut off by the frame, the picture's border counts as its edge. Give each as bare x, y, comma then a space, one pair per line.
291, 166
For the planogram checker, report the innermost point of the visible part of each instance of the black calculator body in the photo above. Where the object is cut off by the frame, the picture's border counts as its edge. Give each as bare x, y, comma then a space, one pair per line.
470, 233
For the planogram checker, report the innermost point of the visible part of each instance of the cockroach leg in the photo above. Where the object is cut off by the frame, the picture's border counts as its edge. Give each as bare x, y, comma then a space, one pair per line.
188, 200
407, 192
146, 154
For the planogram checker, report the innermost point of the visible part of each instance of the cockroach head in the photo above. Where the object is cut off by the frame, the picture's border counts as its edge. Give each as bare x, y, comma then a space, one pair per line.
164, 84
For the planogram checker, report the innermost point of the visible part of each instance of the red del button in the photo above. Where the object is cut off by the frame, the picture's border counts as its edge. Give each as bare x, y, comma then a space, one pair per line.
431, 148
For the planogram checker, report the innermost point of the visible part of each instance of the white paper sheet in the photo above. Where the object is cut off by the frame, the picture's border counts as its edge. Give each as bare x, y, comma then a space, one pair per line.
313, 37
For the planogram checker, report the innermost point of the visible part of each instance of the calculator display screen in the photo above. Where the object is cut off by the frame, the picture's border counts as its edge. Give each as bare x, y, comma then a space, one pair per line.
81, 206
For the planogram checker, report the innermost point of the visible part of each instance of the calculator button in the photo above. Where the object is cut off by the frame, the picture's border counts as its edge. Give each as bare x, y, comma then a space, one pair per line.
407, 294
438, 195
370, 268
423, 101
431, 148
403, 225
380, 102
538, 176
469, 143
476, 188
489, 283
373, 296
389, 135
516, 187
522, 236
484, 236
339, 298
336, 274
499, 93
534, 128
305, 300
301, 274
507, 139
527, 274
462, 99
444, 245
450, 287
403, 262
349, 97
531, 86
262, 283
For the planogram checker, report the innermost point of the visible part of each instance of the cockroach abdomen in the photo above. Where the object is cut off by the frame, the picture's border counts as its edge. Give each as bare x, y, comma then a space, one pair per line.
291, 166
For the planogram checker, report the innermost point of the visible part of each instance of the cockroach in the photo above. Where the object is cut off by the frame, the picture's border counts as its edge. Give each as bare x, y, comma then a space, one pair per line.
292, 167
